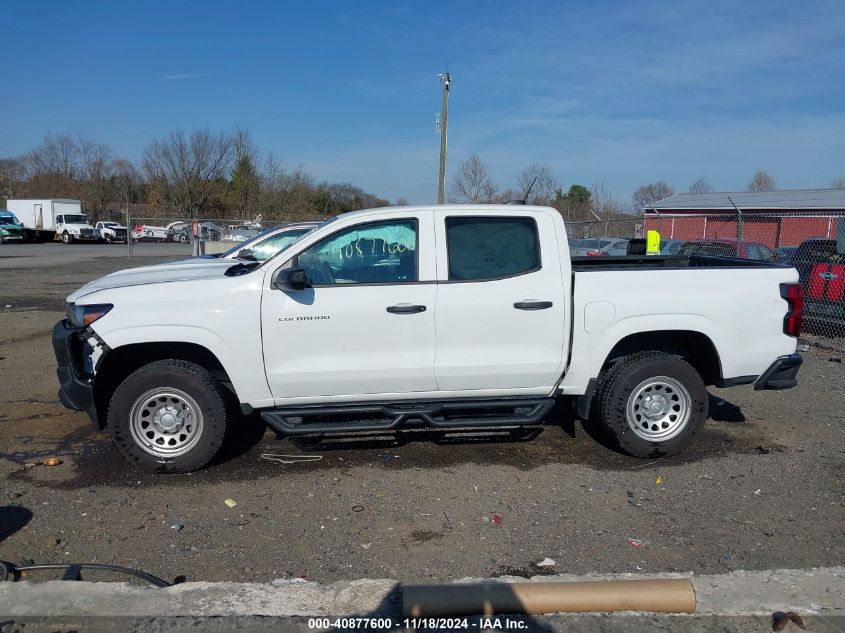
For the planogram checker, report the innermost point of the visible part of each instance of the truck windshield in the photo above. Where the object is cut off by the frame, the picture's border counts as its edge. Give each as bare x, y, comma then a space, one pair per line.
76, 219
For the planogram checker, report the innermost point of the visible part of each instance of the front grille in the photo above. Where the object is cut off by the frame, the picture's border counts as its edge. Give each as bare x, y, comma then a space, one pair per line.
88, 232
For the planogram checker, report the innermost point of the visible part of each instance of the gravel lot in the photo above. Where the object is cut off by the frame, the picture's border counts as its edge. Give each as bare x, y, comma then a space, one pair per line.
762, 488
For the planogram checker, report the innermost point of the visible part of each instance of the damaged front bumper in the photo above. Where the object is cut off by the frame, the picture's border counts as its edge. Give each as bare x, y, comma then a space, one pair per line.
75, 365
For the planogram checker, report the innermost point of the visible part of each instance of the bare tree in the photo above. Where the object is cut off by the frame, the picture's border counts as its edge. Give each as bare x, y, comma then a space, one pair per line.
839, 183
472, 182
761, 181
650, 193
700, 186
602, 202
508, 195
544, 184
12, 174
189, 167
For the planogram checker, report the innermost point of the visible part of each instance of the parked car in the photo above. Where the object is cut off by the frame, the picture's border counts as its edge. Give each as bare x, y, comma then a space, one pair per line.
111, 232
209, 231
599, 246
784, 254
726, 247
149, 233
261, 247
821, 268
670, 247
11, 229
448, 317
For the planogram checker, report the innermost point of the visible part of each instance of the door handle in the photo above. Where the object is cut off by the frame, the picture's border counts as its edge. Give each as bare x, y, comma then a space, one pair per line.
532, 305
405, 309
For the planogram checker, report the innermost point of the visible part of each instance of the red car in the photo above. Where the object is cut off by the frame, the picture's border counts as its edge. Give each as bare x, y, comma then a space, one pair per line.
727, 247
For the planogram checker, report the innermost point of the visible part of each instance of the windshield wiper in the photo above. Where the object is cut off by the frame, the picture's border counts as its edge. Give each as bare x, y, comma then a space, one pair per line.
241, 268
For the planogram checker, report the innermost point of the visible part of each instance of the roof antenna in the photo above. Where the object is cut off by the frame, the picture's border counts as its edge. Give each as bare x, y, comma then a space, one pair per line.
524, 199
740, 222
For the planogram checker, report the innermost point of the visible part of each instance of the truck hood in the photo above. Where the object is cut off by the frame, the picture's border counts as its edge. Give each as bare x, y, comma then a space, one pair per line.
156, 274
74, 225
117, 227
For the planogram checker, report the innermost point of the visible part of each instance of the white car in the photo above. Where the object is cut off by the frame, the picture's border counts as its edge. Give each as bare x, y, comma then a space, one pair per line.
111, 232
440, 316
260, 247
150, 233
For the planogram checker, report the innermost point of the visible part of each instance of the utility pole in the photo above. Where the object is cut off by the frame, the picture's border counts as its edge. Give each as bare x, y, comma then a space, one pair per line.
445, 79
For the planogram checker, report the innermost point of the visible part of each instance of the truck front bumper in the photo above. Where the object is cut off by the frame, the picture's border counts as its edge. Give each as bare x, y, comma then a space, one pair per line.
76, 391
781, 374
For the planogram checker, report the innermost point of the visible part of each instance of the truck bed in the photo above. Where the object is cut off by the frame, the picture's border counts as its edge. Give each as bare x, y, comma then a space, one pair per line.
639, 262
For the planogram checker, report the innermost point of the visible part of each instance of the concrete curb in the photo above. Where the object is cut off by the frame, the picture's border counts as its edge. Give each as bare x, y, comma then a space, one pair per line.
817, 591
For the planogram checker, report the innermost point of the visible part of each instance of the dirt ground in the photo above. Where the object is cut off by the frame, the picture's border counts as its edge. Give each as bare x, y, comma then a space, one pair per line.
761, 489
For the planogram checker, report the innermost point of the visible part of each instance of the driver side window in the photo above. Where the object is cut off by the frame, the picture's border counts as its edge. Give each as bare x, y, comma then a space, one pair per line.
376, 252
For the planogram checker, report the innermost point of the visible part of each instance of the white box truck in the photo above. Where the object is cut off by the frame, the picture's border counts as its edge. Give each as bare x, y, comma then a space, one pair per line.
53, 219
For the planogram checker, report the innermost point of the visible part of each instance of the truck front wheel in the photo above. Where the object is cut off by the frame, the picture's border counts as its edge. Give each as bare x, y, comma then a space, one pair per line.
653, 404
168, 416
67, 238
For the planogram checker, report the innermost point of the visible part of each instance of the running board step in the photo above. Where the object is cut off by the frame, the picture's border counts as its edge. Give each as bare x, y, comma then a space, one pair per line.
384, 416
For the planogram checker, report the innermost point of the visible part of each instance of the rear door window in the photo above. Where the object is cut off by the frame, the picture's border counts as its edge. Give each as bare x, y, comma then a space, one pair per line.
481, 248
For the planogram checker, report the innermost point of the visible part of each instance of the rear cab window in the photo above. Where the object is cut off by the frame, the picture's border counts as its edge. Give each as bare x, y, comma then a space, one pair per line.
486, 248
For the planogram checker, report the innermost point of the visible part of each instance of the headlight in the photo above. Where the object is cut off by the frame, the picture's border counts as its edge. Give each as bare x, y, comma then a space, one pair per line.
3, 231
73, 230
83, 316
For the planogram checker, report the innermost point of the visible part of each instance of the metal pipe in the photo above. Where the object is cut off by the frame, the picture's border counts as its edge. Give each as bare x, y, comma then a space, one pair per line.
535, 598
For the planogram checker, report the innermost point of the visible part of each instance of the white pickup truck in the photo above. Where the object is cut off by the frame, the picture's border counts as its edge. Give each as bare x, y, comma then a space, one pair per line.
111, 232
447, 316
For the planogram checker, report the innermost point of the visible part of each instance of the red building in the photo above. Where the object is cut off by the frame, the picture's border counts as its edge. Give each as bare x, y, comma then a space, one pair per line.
775, 218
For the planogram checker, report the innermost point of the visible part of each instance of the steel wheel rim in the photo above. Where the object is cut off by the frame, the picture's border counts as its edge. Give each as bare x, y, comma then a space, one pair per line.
165, 422
658, 409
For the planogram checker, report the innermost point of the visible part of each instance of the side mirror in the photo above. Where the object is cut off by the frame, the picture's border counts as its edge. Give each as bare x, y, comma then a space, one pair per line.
291, 279
246, 253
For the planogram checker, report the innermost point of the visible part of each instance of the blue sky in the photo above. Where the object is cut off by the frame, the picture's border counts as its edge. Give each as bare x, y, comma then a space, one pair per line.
619, 92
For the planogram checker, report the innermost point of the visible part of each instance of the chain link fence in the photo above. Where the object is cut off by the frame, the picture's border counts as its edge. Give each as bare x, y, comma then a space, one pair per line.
814, 243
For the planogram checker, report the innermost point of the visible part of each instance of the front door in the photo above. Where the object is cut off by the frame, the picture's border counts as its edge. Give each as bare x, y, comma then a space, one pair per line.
365, 324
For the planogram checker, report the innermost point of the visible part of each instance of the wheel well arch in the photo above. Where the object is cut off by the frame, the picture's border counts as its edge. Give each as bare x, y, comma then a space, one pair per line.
119, 362
694, 347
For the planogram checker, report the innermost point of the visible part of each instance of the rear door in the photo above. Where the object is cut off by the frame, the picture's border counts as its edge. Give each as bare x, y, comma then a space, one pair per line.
501, 308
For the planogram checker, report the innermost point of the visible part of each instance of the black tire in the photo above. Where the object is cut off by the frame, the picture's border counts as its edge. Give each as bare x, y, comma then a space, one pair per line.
108, 238
67, 238
620, 411
178, 376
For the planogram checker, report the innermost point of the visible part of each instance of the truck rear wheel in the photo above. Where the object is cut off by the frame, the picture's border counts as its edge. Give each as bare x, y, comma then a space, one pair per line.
653, 404
168, 416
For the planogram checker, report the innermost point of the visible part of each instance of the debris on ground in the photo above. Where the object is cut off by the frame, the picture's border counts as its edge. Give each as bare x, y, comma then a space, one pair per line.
635, 542
176, 526
290, 459
546, 562
496, 519
705, 476
781, 619
803, 347
50, 461
358, 508
366, 545
289, 581
230, 502
658, 480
